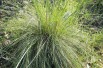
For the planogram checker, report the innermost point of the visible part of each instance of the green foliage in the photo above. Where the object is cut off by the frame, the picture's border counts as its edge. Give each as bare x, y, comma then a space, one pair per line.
54, 34
51, 36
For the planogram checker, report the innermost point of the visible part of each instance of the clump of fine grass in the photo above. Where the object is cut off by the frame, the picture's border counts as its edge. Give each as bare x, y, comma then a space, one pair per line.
52, 39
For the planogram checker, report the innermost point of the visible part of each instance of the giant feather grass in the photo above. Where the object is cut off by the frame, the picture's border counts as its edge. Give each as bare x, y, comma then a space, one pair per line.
54, 40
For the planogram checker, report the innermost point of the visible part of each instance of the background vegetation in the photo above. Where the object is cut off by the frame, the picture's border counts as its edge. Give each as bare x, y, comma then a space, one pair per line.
51, 34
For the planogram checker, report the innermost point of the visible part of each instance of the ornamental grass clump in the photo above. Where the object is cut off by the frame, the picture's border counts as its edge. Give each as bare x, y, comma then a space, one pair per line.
54, 40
